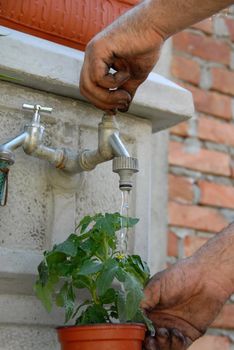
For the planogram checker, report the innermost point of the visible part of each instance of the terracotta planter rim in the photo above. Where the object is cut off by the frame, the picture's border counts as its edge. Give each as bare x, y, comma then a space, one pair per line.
105, 325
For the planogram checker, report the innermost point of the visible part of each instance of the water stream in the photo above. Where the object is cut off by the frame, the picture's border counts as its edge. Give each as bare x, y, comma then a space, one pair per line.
122, 235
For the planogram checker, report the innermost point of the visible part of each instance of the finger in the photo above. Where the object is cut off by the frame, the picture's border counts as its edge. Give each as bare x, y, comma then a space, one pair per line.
103, 97
179, 341
109, 80
150, 344
151, 297
163, 339
104, 105
130, 86
101, 73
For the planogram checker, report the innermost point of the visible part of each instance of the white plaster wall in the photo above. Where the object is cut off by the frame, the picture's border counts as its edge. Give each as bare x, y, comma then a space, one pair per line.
44, 205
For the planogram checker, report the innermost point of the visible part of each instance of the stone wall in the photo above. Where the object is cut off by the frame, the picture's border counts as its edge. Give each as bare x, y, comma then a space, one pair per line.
201, 194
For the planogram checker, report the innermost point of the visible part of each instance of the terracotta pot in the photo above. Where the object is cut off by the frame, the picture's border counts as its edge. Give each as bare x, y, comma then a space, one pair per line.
69, 22
102, 337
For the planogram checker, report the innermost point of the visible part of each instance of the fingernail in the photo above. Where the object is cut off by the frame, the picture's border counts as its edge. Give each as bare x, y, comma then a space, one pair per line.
178, 335
162, 332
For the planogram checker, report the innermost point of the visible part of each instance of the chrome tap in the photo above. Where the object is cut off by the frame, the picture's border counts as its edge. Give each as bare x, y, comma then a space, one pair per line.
109, 147
31, 140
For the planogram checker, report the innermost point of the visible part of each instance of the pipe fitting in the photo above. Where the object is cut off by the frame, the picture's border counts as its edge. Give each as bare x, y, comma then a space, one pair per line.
125, 167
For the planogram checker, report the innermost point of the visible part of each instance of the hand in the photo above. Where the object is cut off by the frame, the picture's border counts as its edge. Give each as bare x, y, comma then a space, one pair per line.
182, 302
167, 340
129, 46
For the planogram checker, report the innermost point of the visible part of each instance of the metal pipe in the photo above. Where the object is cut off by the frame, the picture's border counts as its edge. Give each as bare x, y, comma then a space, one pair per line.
53, 155
109, 145
118, 146
14, 143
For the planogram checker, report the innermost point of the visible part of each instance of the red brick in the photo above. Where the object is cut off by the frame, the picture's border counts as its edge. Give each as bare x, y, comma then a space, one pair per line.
230, 25
205, 26
216, 194
180, 129
192, 244
202, 46
186, 69
223, 80
180, 189
226, 318
195, 217
204, 160
172, 245
211, 103
216, 131
211, 342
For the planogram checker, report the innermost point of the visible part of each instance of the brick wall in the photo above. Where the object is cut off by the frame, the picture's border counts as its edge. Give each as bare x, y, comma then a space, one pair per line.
201, 152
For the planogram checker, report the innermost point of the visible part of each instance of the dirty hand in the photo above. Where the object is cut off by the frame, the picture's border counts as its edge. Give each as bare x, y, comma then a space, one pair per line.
131, 47
183, 300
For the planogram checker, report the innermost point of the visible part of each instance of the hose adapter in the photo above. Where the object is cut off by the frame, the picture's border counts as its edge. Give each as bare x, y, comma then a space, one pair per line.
125, 167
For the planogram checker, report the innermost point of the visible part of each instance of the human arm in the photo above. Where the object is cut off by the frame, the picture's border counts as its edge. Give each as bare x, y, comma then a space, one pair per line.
183, 300
131, 45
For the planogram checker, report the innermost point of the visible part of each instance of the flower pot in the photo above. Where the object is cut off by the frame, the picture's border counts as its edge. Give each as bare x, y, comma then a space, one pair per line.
69, 22
102, 337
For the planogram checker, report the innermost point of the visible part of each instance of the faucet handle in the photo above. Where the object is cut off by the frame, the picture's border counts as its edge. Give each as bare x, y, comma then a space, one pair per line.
37, 108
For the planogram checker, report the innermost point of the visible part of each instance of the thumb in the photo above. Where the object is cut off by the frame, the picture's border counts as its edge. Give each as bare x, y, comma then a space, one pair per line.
151, 294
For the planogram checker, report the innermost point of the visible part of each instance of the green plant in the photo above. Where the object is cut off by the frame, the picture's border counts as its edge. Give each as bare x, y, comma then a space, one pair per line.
88, 259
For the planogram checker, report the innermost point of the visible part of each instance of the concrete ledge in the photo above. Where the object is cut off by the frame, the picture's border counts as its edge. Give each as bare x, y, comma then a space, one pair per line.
18, 269
27, 310
14, 261
44, 65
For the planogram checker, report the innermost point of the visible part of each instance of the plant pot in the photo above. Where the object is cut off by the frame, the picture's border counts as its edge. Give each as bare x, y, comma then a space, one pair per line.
68, 22
102, 337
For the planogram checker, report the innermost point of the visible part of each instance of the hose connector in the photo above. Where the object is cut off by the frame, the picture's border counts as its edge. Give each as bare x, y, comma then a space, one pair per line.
125, 167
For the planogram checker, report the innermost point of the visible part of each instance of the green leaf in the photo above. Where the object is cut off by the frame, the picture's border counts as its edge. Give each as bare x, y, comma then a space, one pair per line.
104, 224
81, 282
93, 314
129, 222
121, 307
55, 257
89, 246
84, 223
65, 299
86, 302
142, 265
106, 276
140, 317
109, 297
44, 291
138, 268
134, 295
65, 268
90, 267
67, 247
120, 274
43, 272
